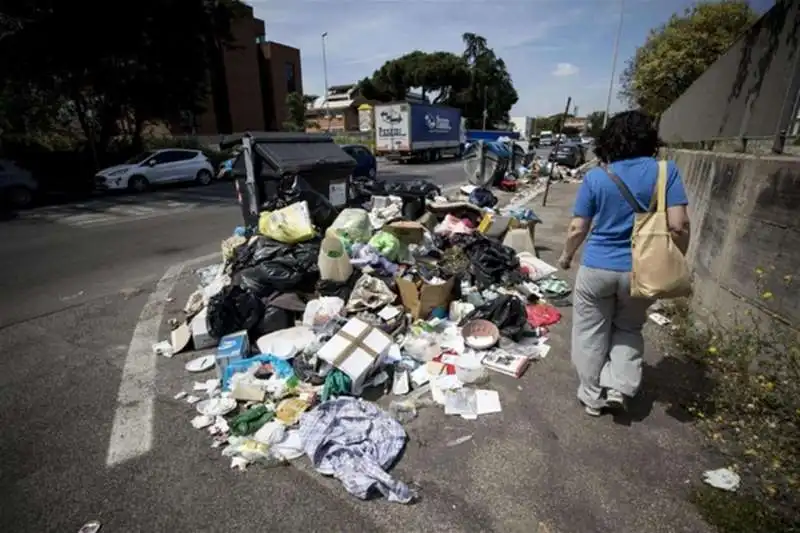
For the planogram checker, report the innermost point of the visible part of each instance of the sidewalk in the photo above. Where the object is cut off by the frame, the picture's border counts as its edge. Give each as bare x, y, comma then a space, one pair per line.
623, 475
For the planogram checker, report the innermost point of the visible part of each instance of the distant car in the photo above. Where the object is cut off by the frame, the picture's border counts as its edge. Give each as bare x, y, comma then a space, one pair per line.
17, 186
569, 155
366, 163
156, 167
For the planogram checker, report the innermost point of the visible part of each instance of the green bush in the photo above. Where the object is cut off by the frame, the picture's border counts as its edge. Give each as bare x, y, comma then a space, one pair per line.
750, 413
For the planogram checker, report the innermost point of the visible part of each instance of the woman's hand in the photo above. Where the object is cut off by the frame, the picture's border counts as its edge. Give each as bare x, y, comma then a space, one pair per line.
565, 262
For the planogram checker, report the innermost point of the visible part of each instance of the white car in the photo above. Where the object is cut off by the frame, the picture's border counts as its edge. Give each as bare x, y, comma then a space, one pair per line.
17, 186
156, 167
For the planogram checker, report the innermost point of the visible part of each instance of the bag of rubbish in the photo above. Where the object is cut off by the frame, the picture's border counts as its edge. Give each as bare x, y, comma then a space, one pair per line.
291, 224
326, 287
352, 225
294, 189
233, 309
482, 197
274, 319
387, 244
406, 188
493, 263
507, 312
274, 266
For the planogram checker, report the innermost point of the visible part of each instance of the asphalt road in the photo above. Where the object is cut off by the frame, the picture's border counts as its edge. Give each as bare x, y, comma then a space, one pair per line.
73, 296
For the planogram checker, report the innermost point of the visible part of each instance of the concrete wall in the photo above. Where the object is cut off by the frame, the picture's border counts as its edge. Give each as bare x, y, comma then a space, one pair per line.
750, 91
745, 213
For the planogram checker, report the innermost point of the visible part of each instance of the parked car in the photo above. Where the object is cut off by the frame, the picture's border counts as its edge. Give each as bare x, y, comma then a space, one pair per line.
156, 167
570, 155
366, 163
18, 187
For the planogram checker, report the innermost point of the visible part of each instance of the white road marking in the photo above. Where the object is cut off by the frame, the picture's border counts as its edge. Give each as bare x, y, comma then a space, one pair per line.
105, 214
132, 429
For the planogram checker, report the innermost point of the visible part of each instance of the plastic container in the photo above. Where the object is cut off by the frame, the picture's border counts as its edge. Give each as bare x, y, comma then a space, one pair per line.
333, 262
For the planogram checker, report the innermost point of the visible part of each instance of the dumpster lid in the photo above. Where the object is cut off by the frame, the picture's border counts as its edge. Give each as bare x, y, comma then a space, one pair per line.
294, 151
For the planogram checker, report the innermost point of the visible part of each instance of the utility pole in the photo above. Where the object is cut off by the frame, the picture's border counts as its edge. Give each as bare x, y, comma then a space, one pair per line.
614, 62
485, 109
325, 77
555, 151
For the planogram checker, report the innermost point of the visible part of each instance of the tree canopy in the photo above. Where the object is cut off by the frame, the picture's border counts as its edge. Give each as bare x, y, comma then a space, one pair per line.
676, 53
465, 81
56, 55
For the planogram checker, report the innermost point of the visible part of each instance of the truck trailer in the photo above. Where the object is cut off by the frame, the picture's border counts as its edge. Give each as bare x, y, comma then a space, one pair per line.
407, 131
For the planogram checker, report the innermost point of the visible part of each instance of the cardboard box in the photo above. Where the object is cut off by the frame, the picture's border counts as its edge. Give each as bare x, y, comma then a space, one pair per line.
200, 336
356, 350
420, 298
232, 348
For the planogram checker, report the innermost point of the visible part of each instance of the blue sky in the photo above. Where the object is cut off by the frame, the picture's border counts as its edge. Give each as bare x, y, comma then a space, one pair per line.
553, 48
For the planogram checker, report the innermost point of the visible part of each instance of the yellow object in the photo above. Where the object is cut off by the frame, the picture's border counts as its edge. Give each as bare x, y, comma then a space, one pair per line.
660, 269
289, 225
289, 410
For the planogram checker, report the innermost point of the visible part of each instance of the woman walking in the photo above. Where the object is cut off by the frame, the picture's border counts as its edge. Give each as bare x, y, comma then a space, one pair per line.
607, 342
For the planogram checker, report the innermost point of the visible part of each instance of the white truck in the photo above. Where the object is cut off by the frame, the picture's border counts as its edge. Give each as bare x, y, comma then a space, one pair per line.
418, 131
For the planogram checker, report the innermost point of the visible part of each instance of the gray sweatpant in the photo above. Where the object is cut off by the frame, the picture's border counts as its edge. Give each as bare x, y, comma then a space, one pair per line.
607, 342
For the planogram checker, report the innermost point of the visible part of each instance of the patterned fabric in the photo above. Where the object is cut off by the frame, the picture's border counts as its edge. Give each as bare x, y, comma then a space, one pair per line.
355, 441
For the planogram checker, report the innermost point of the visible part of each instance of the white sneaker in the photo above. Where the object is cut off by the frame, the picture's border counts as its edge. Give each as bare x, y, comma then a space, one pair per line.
591, 411
615, 399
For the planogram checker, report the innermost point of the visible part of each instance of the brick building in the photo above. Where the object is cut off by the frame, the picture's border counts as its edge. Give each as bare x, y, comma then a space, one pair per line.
258, 77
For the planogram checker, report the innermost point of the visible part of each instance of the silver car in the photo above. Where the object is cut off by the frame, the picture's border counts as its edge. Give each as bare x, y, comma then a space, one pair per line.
156, 167
17, 185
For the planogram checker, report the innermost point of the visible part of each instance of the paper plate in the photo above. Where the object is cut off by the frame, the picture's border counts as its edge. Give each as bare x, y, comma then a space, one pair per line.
201, 364
216, 406
286, 343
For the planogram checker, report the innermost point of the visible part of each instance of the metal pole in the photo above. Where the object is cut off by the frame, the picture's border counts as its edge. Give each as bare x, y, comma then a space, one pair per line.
555, 151
485, 110
614, 62
325, 76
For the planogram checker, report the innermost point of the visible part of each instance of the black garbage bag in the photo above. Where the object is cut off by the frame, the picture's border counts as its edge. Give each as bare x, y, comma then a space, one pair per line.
278, 267
293, 188
339, 289
493, 263
233, 309
482, 197
407, 188
274, 319
507, 312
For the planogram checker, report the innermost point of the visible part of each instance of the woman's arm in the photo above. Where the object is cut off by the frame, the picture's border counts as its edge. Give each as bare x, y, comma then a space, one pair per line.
576, 233
677, 213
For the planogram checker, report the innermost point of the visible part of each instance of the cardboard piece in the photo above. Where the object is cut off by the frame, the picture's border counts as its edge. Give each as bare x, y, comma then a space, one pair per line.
407, 231
232, 348
494, 226
421, 300
357, 350
180, 338
201, 338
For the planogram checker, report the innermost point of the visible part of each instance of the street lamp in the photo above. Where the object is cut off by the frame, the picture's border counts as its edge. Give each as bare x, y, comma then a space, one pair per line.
614, 62
325, 76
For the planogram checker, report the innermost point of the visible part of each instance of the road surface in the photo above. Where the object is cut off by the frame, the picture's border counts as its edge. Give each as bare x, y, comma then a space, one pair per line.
81, 301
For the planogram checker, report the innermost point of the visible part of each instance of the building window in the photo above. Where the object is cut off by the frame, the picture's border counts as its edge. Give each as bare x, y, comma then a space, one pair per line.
291, 81
261, 39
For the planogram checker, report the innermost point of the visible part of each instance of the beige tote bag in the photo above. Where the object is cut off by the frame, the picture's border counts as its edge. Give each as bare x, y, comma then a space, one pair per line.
660, 270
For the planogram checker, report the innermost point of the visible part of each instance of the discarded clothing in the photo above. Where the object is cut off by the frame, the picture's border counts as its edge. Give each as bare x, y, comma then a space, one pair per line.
355, 441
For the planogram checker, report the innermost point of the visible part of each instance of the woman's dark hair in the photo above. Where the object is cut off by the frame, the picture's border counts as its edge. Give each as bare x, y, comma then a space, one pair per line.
627, 135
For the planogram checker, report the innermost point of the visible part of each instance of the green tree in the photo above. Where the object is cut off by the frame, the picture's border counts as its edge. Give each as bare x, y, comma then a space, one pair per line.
468, 81
676, 53
297, 104
595, 119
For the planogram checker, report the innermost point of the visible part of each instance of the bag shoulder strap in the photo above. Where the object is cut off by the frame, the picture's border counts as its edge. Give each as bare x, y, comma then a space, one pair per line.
658, 203
626, 192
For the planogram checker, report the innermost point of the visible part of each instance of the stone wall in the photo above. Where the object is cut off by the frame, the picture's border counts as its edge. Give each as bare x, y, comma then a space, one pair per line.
745, 212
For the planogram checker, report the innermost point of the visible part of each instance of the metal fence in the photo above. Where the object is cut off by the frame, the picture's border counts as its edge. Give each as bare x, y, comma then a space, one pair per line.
750, 96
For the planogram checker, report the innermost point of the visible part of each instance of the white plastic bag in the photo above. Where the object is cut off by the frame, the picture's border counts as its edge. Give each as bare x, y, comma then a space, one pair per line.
320, 311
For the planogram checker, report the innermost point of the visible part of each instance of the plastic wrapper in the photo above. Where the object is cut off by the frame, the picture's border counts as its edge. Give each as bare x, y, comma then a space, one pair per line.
507, 312
321, 310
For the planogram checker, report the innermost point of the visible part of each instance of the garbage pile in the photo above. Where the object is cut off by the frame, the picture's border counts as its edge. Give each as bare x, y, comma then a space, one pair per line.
419, 295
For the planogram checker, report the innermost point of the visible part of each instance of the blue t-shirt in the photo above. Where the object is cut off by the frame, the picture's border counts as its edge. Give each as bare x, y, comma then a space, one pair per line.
609, 243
